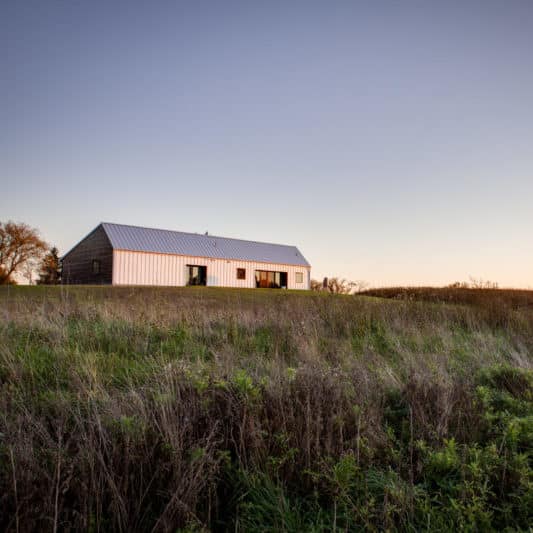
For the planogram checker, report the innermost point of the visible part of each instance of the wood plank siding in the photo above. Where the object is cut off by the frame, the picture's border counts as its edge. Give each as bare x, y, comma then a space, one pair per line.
147, 268
78, 267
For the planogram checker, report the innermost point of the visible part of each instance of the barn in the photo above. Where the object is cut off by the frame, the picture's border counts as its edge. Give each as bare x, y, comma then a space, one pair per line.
118, 254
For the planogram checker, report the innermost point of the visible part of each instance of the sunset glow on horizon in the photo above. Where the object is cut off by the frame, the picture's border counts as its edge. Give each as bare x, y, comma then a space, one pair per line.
391, 142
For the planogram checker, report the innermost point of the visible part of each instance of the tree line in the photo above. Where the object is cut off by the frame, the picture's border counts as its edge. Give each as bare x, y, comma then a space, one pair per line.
23, 252
337, 285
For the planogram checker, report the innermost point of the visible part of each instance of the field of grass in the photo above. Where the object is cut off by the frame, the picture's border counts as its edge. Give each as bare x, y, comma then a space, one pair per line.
497, 301
196, 409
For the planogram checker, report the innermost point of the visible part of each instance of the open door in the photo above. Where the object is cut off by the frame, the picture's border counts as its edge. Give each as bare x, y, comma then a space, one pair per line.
196, 275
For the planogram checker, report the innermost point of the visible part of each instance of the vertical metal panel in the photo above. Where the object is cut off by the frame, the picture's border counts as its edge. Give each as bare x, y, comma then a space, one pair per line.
143, 268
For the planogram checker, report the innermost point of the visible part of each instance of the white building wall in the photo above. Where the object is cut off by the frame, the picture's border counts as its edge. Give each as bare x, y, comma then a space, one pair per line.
144, 268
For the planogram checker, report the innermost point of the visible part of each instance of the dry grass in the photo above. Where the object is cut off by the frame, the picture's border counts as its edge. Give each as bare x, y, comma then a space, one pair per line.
139, 409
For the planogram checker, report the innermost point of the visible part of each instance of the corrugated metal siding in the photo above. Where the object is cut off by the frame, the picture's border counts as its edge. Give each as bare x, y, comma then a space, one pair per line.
142, 268
140, 239
78, 263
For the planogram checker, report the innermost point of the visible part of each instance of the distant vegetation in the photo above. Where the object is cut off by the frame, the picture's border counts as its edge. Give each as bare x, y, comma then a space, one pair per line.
22, 251
50, 268
498, 304
134, 409
20, 248
337, 285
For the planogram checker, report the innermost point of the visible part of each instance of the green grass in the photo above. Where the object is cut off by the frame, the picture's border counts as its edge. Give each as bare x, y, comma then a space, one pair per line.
142, 409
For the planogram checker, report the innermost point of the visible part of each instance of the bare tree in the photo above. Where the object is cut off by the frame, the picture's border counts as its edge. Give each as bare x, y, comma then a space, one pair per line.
474, 283
20, 248
340, 286
337, 285
360, 285
316, 285
482, 284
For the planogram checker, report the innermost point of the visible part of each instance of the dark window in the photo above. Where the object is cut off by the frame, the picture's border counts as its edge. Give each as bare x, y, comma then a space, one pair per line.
241, 273
96, 266
196, 275
270, 280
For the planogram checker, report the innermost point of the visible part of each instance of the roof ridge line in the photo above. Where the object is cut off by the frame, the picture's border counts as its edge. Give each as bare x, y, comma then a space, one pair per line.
199, 234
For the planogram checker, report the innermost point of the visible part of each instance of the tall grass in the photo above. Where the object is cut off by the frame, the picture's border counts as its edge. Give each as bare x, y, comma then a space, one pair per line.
138, 409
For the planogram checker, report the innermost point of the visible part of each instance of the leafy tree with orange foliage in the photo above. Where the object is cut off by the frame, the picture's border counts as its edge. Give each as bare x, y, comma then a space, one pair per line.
20, 247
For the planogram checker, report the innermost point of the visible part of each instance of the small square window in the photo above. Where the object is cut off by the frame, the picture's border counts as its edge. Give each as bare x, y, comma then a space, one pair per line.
299, 277
96, 266
241, 273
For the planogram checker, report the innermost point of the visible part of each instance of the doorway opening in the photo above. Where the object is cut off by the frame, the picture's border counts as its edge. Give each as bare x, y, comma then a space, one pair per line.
196, 275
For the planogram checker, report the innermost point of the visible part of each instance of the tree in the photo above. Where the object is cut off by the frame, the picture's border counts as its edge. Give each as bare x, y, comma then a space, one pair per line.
50, 269
316, 285
340, 286
473, 284
20, 248
337, 285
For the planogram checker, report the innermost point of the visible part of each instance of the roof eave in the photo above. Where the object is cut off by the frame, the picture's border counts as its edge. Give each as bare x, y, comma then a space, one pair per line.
303, 265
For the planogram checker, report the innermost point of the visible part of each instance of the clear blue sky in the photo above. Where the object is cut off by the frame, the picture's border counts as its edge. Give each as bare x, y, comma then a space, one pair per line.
391, 141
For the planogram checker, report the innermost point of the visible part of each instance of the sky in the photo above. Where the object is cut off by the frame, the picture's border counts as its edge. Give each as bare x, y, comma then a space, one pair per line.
391, 141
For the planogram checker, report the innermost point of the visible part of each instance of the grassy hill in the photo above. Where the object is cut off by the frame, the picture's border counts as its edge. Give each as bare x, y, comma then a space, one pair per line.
139, 409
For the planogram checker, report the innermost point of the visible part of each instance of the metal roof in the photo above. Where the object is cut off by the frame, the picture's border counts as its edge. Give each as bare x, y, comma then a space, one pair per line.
135, 238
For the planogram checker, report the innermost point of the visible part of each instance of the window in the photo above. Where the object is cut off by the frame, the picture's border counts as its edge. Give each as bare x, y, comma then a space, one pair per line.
272, 280
299, 277
241, 273
96, 266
